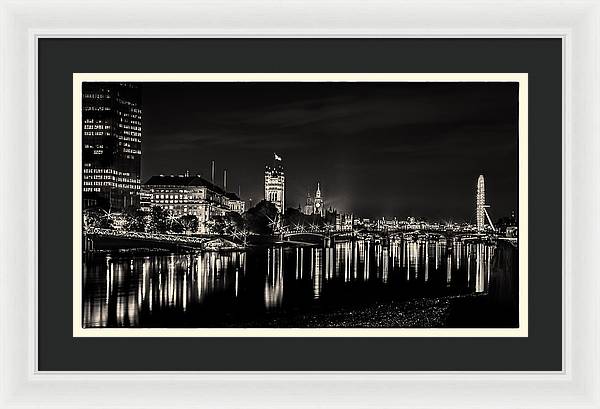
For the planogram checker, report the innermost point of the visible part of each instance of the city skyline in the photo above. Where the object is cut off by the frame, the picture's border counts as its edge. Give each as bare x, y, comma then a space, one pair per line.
371, 192
393, 149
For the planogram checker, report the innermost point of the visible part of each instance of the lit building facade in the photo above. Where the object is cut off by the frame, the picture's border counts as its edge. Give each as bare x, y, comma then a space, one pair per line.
309, 206
480, 203
344, 222
275, 184
191, 195
112, 144
234, 203
145, 200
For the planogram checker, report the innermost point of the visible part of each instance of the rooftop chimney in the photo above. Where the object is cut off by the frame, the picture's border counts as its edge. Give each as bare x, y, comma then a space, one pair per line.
225, 179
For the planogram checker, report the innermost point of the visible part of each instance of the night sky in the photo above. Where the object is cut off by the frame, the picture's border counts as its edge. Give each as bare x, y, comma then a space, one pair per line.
378, 149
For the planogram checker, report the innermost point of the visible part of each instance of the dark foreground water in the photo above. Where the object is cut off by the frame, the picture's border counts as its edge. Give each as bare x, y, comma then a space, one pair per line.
291, 286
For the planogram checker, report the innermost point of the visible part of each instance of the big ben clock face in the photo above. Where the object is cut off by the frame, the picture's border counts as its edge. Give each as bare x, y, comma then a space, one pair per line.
318, 204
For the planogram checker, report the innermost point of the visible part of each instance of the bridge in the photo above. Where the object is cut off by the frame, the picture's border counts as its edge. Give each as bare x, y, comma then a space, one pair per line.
326, 232
238, 239
322, 233
202, 242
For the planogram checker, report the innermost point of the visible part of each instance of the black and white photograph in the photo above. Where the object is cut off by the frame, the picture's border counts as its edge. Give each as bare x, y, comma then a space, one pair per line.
300, 204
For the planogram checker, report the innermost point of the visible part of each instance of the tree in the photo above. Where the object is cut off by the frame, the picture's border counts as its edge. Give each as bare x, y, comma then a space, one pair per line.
504, 222
175, 226
97, 218
260, 219
158, 220
293, 217
229, 223
189, 223
135, 219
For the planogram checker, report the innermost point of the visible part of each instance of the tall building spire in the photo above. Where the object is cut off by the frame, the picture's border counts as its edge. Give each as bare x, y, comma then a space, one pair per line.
318, 206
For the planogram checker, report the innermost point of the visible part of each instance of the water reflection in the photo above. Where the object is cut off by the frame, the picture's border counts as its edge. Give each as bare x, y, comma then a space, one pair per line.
210, 288
316, 271
274, 278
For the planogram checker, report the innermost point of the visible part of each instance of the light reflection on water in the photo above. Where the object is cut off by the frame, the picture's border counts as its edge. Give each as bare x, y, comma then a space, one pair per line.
214, 288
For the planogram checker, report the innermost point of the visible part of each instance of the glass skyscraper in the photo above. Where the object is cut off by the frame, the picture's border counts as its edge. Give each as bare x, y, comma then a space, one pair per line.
112, 144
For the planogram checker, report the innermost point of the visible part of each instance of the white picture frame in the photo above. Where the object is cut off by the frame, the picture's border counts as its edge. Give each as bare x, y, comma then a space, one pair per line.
22, 23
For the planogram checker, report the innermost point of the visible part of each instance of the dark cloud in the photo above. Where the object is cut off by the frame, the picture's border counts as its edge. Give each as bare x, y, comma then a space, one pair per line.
378, 149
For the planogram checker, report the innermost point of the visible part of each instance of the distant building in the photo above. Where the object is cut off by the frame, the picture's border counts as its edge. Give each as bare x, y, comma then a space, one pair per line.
191, 195
275, 184
316, 205
112, 144
344, 222
309, 206
235, 204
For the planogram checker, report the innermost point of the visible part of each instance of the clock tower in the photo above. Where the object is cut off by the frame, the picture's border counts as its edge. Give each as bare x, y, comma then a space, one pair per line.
318, 203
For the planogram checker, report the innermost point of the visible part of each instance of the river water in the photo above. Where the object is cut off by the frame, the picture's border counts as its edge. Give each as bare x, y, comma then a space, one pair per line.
252, 287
